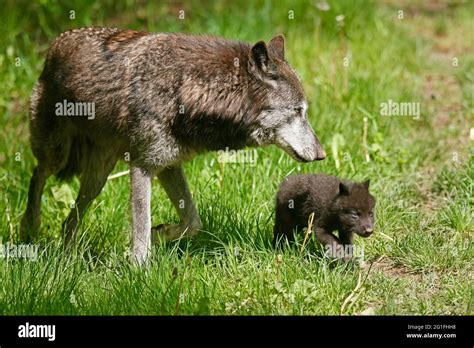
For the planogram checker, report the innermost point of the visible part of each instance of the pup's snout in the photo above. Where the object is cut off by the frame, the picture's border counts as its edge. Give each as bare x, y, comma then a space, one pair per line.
368, 231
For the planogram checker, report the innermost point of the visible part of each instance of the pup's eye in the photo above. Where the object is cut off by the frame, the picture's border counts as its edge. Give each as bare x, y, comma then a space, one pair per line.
354, 214
371, 214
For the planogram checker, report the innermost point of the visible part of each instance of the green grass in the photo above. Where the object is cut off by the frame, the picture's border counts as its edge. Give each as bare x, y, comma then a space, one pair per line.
422, 249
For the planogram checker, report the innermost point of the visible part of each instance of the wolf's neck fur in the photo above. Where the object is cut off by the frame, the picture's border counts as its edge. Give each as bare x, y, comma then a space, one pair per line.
219, 101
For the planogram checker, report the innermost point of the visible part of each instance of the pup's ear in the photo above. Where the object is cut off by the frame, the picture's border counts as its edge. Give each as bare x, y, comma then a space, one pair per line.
277, 46
344, 189
260, 63
366, 183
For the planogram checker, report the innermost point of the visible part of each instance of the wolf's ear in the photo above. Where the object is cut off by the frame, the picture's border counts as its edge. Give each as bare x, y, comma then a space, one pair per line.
260, 62
277, 46
344, 189
366, 183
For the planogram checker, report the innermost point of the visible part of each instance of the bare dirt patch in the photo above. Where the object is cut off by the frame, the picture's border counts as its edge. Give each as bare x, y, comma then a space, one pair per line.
392, 270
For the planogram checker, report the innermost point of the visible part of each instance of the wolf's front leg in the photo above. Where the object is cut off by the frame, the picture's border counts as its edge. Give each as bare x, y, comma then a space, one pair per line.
141, 215
173, 181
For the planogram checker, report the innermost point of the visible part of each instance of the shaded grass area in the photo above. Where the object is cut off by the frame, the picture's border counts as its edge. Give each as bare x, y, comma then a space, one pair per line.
421, 250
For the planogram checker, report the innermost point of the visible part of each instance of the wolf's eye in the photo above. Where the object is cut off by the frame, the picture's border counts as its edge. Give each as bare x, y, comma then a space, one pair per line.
371, 214
299, 110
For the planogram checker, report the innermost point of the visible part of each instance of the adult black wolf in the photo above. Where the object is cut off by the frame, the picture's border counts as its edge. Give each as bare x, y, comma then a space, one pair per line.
158, 100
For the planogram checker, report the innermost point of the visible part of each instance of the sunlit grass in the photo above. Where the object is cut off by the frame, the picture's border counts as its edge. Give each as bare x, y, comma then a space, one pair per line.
231, 268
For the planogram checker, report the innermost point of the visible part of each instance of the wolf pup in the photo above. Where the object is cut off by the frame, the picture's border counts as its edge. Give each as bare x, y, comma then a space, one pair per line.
337, 204
158, 100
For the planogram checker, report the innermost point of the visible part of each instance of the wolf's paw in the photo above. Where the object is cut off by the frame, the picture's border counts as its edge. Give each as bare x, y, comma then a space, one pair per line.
167, 232
159, 233
29, 229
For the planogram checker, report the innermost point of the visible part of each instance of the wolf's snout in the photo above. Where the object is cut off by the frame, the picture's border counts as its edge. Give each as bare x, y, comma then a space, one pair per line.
317, 155
321, 154
316, 148
309, 155
301, 143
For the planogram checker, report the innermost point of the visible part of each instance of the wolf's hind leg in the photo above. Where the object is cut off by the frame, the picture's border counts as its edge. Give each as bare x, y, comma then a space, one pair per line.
31, 220
173, 181
92, 179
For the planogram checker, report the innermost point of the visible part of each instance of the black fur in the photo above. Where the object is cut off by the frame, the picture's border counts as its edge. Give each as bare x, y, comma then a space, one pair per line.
338, 204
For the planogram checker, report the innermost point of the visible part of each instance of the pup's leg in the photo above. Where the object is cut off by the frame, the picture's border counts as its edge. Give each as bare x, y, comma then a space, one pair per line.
92, 179
141, 214
347, 240
284, 227
32, 218
331, 243
173, 181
